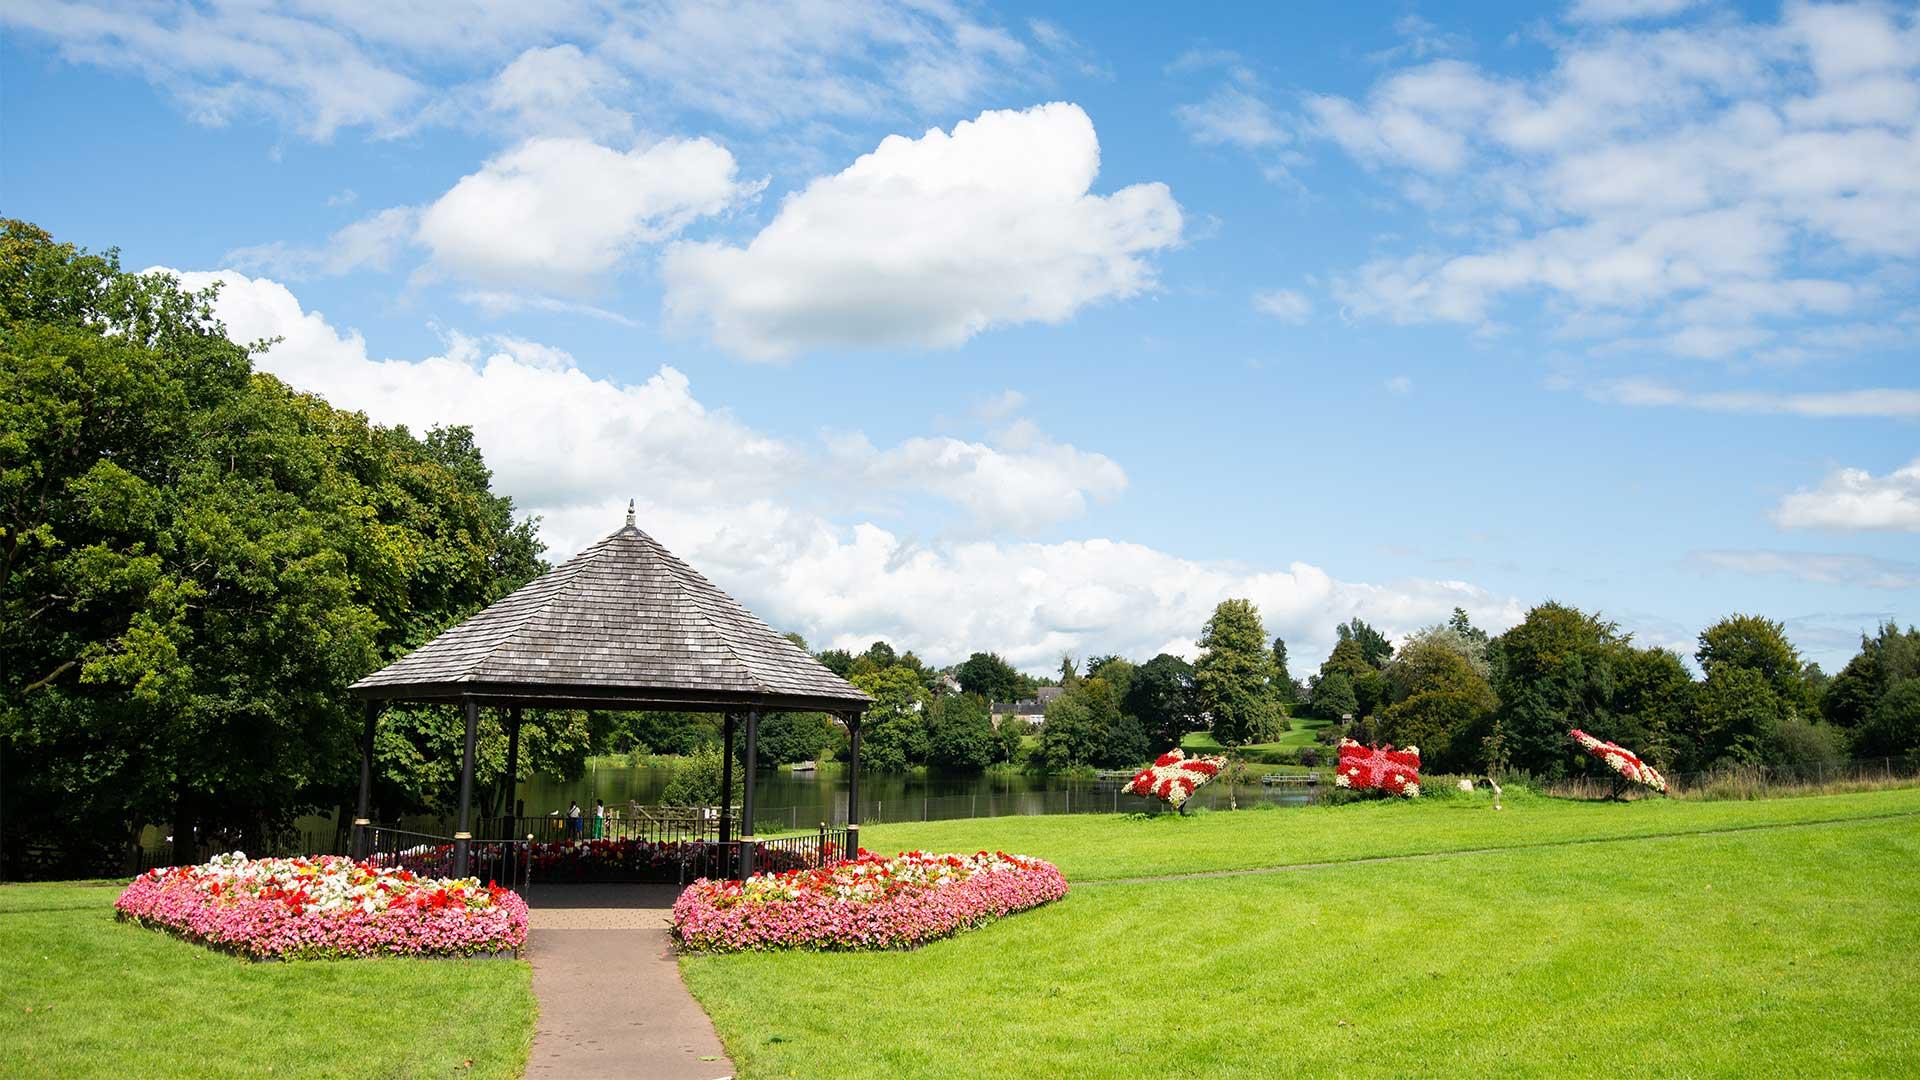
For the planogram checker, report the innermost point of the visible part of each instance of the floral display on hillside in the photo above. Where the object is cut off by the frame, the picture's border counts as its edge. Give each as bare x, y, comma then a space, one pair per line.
1173, 776
872, 902
1378, 768
1621, 760
325, 906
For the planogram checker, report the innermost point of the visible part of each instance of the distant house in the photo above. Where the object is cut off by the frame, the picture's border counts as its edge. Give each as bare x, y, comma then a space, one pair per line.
1030, 711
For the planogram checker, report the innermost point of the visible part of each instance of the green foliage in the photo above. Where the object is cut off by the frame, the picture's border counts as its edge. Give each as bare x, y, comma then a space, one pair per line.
1233, 679
1884, 659
787, 737
838, 661
1653, 704
1553, 672
1893, 727
1807, 747
1439, 701
1369, 687
696, 781
1760, 645
893, 735
1375, 649
960, 733
1332, 696
1736, 717
1283, 685
196, 560
1161, 697
991, 677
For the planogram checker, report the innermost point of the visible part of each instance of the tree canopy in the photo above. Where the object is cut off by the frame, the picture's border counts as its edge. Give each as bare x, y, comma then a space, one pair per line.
1233, 679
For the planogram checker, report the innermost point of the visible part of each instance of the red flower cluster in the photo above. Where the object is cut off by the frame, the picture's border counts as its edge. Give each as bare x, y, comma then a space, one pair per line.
1381, 768
1173, 776
1621, 760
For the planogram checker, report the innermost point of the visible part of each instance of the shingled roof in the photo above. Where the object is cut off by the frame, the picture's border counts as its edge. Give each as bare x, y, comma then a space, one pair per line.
623, 624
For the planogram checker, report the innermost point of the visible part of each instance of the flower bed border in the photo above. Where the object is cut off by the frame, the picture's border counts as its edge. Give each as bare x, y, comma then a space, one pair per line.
365, 911
864, 904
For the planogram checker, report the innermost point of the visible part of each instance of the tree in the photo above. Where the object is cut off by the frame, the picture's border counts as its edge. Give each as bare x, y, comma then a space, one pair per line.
1233, 679
1283, 685
1893, 727
1366, 682
1737, 716
1553, 672
1884, 659
838, 661
196, 560
989, 676
894, 731
787, 737
1761, 645
960, 733
1332, 696
1375, 649
696, 781
1161, 696
1439, 702
1653, 704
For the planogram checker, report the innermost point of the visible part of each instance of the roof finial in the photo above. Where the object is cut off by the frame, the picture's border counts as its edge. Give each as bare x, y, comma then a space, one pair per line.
629, 513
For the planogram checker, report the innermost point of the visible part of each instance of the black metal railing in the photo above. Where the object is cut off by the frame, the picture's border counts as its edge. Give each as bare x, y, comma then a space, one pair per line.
507, 863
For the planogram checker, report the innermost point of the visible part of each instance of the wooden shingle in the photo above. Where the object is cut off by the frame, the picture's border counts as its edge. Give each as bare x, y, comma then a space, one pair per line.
623, 624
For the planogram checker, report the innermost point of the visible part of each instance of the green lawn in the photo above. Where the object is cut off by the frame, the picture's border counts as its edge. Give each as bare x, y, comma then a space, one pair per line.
84, 996
1770, 951
1301, 731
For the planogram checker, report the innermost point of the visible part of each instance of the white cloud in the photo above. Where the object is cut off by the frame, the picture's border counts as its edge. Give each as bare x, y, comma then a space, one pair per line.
1287, 305
563, 67
1400, 384
1819, 568
738, 504
1620, 10
557, 212
1881, 402
1018, 480
929, 241
559, 90
1856, 500
1676, 184
373, 243
1231, 116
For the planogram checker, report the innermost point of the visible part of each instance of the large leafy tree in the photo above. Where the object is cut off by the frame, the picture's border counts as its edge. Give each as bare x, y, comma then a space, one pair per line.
1161, 696
1885, 658
195, 561
990, 676
1374, 647
1440, 701
960, 733
894, 731
1736, 717
1283, 686
1552, 672
1757, 644
1233, 679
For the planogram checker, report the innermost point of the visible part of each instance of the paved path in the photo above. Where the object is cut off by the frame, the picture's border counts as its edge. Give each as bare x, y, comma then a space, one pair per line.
612, 1006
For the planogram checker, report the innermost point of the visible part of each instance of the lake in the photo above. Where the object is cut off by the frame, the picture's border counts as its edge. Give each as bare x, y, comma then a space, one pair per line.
804, 799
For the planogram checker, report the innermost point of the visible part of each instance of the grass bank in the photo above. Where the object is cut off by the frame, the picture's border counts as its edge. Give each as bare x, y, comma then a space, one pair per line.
84, 996
1565, 952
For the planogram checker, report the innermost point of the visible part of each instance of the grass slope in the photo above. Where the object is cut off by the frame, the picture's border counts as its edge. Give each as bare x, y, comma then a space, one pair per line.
82, 995
1765, 952
1092, 848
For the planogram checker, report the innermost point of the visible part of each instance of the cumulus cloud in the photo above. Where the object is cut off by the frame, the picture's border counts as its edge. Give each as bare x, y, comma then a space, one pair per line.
1853, 500
373, 242
1675, 184
748, 509
1233, 116
563, 210
929, 241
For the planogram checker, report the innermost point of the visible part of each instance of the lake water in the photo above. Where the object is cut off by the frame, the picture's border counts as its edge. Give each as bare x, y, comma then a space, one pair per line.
803, 799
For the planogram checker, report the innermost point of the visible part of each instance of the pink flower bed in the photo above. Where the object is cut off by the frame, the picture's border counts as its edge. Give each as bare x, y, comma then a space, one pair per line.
866, 903
324, 907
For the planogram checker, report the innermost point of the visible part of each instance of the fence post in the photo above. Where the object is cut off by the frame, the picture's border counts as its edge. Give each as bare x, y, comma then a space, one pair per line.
924, 801
973, 809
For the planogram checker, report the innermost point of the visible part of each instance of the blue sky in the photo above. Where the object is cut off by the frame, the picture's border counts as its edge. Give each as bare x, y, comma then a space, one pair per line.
1043, 330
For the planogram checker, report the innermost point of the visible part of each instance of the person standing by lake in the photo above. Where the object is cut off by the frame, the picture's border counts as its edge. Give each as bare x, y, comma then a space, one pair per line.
573, 818
599, 818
